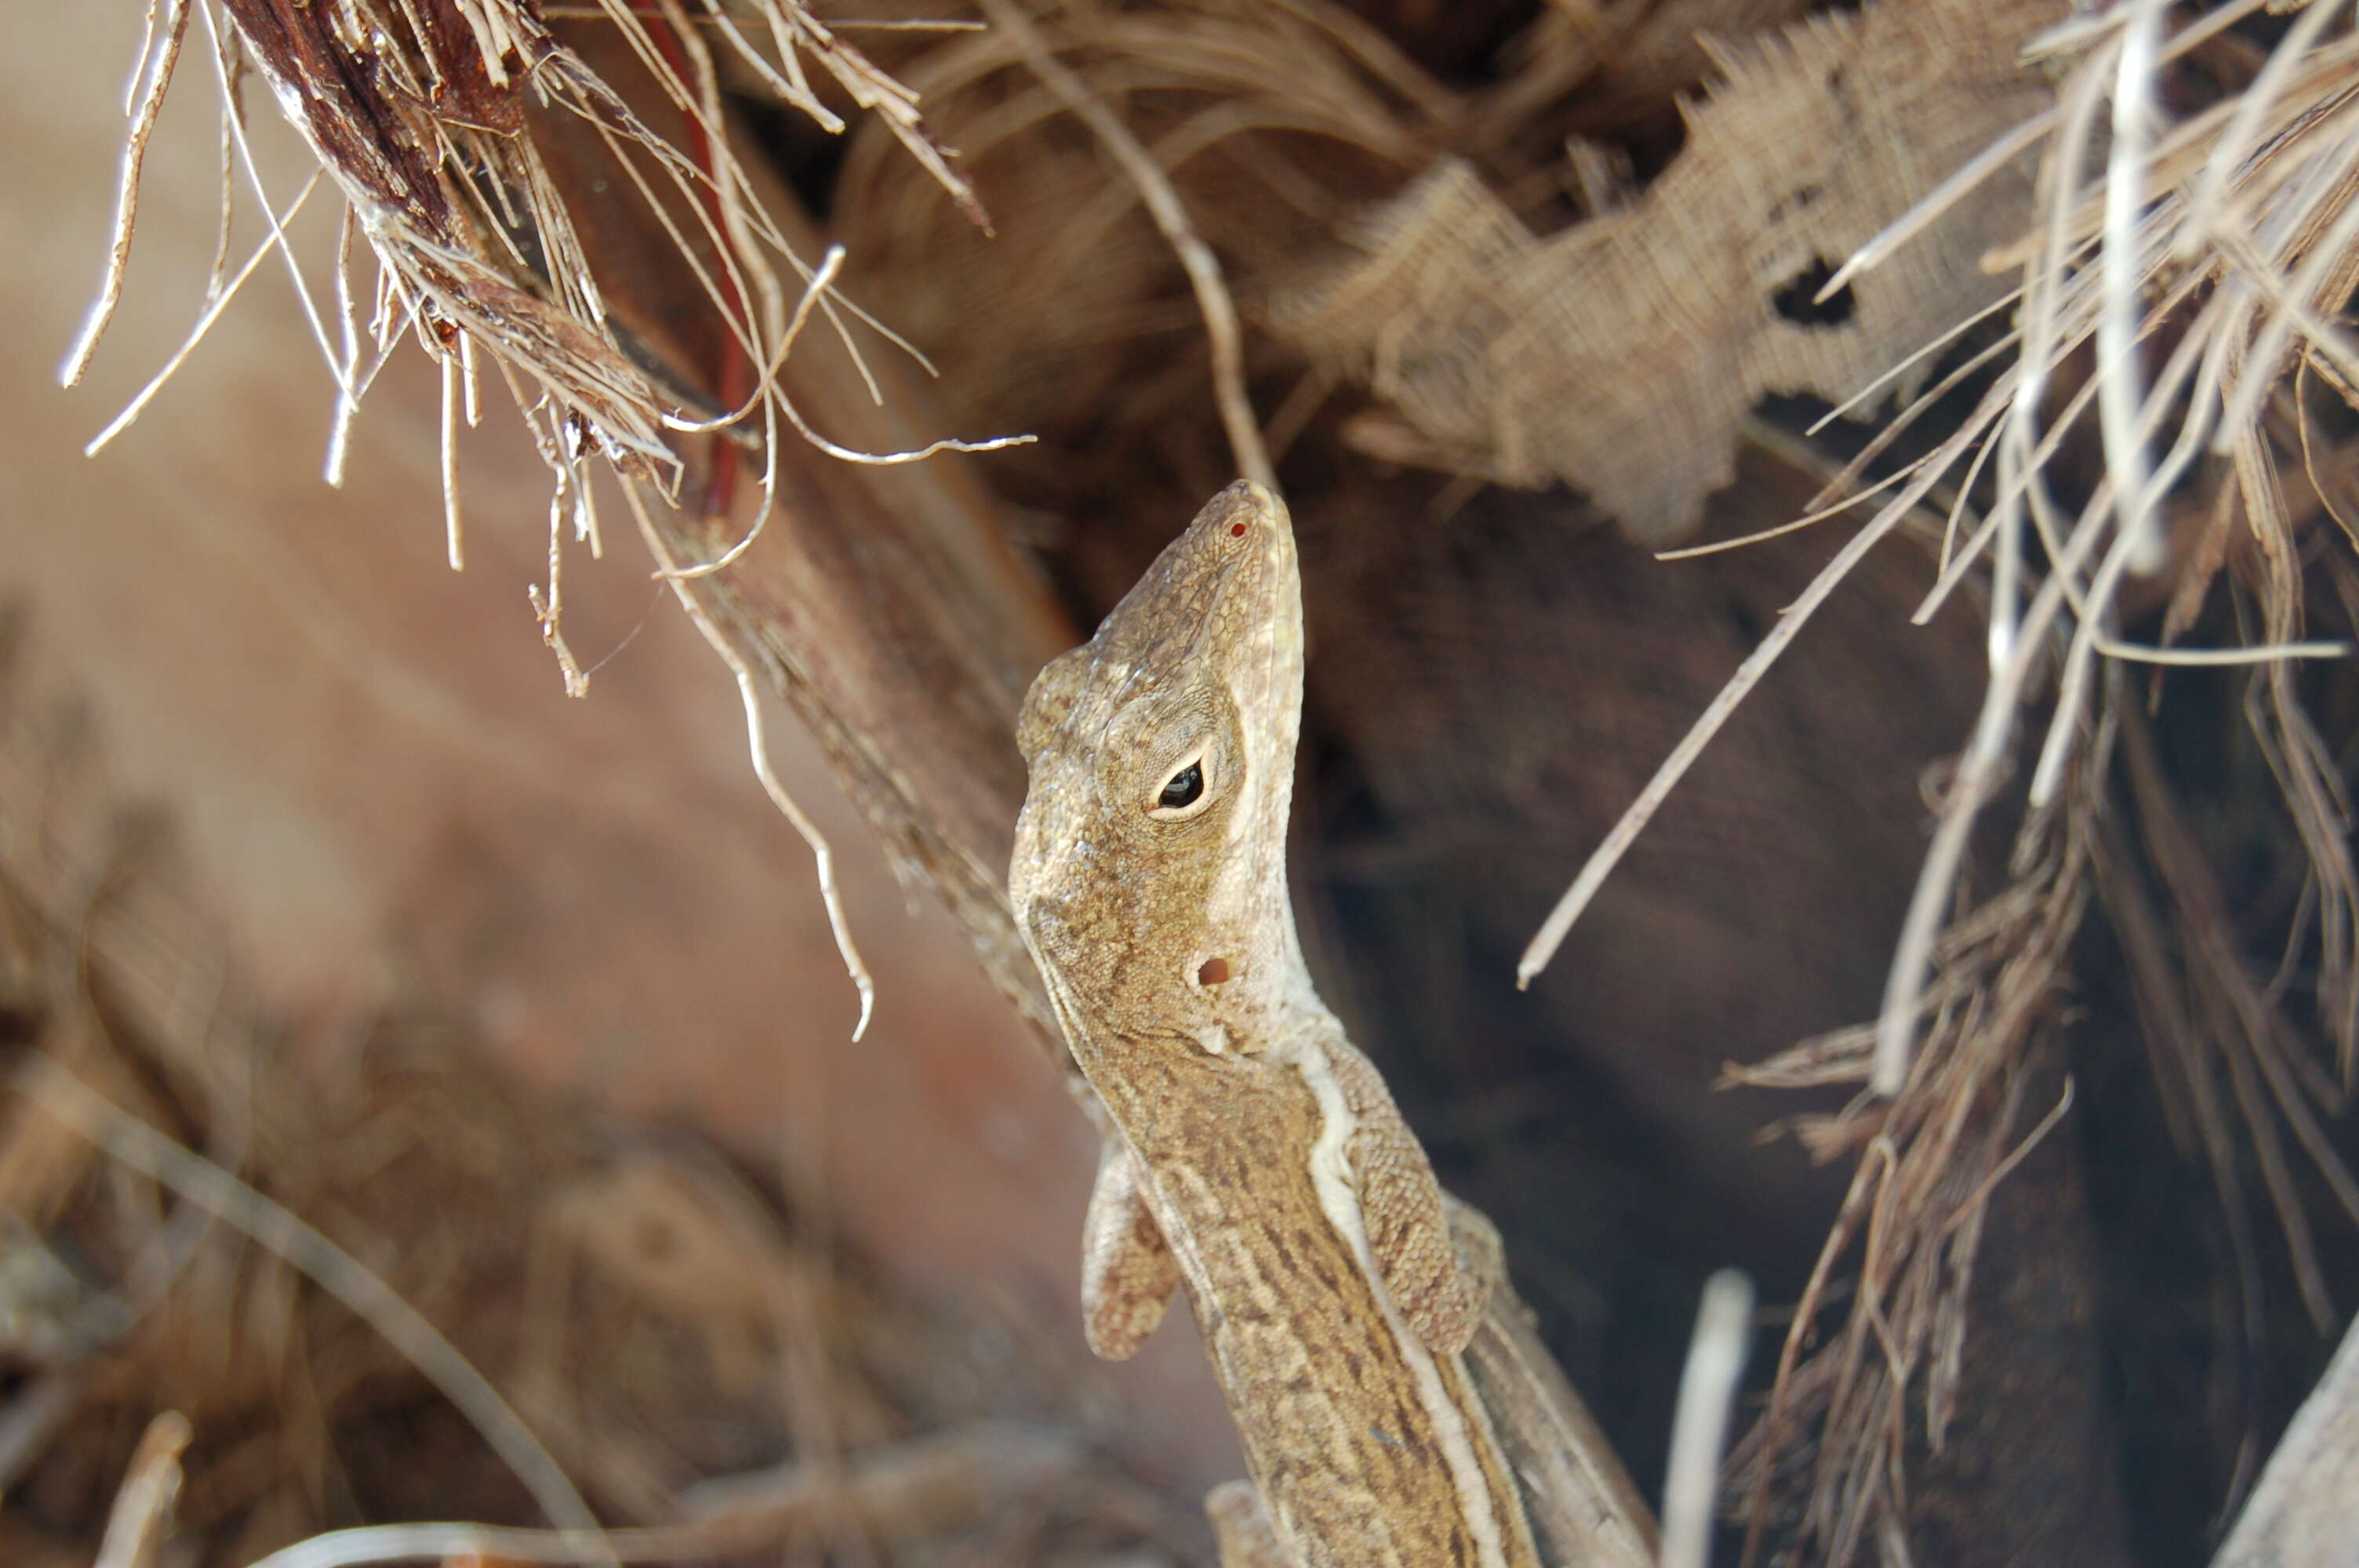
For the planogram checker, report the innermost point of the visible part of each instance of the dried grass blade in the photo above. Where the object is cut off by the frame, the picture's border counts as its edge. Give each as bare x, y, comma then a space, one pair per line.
1939, 199
2228, 152
1641, 811
2121, 270
137, 1525
277, 1230
1707, 1391
126, 199
1171, 216
212, 313
757, 744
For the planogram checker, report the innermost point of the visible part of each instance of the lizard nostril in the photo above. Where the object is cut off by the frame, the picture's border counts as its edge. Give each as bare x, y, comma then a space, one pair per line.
1213, 972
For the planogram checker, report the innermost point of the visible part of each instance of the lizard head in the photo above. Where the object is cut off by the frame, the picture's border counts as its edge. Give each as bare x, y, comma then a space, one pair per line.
1149, 872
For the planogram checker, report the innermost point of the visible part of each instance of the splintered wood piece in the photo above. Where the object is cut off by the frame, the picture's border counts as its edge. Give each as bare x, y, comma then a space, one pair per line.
2305, 1512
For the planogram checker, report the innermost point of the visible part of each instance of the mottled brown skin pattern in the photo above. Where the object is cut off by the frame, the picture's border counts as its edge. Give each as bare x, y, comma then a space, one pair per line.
1254, 1154
1342, 1447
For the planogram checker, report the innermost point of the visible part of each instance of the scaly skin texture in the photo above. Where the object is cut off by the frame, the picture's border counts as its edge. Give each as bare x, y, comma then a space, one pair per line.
1254, 1154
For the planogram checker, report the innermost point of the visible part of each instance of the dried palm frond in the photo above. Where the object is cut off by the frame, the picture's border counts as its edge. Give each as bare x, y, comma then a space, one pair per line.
1912, 1222
458, 134
2181, 296
2235, 230
560, 195
1262, 124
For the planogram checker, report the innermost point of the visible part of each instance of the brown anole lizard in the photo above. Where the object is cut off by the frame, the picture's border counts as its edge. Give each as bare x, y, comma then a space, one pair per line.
1395, 1407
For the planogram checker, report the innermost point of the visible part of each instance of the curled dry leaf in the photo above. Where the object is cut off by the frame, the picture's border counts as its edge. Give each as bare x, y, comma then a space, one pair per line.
1514, 356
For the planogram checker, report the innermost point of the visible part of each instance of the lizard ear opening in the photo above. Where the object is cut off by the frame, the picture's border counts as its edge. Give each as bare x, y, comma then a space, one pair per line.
1212, 972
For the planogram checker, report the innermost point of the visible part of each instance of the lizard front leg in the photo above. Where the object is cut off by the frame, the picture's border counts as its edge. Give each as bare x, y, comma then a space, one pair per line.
1402, 1207
1128, 1274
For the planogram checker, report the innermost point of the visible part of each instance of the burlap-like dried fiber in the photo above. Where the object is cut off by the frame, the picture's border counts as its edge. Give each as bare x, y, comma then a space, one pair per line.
1619, 355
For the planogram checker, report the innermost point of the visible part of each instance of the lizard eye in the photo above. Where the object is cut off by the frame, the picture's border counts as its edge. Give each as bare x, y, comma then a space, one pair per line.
1183, 794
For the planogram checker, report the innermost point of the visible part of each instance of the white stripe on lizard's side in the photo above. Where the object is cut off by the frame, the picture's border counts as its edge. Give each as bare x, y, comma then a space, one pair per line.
1330, 1173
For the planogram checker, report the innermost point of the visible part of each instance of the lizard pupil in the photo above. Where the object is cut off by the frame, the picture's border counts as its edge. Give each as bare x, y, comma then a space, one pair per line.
1185, 786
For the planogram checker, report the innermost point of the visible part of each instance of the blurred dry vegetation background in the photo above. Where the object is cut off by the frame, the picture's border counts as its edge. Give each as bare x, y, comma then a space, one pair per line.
434, 1099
